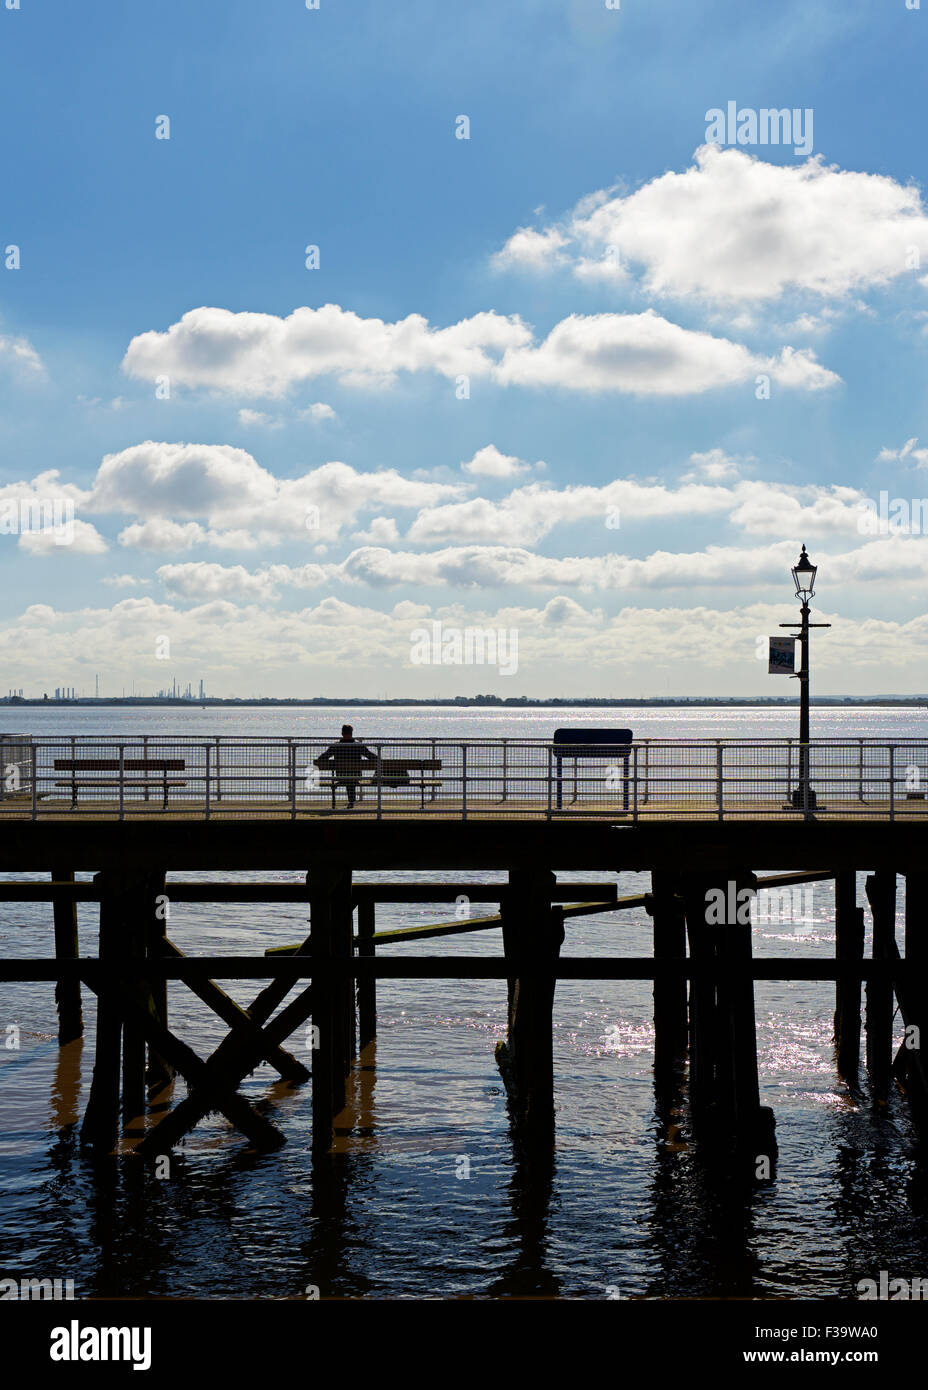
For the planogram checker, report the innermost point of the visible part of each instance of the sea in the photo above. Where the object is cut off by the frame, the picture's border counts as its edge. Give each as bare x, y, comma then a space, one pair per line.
426, 1195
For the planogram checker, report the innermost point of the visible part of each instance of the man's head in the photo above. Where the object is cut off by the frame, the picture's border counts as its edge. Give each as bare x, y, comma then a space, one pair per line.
347, 731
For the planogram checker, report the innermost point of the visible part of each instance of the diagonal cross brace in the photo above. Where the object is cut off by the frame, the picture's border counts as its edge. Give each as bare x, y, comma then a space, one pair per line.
236, 1108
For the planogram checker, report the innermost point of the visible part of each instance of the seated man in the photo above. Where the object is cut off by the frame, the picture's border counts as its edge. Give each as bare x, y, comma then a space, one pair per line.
347, 758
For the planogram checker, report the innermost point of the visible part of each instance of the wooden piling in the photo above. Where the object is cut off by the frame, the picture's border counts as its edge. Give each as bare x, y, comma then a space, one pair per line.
367, 989
67, 947
532, 928
881, 894
724, 1085
155, 910
849, 946
330, 935
132, 923
910, 1067
666, 908
101, 1118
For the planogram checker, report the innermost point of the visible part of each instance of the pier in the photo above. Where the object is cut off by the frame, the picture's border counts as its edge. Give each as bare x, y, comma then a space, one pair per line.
712, 823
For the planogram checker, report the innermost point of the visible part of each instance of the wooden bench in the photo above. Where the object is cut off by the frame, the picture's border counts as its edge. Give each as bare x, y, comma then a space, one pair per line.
393, 772
162, 766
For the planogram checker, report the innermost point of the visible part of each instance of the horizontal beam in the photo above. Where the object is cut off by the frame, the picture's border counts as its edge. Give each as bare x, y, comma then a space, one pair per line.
273, 892
451, 968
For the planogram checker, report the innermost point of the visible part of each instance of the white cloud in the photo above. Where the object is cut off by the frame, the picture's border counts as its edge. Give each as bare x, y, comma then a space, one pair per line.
645, 354
125, 581
713, 466
531, 250
382, 531
75, 538
918, 456
21, 356
350, 648
317, 412
490, 463
258, 354
257, 419
263, 355
240, 502
734, 228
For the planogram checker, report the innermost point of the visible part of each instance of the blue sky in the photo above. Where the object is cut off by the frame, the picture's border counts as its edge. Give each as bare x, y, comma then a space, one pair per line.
315, 486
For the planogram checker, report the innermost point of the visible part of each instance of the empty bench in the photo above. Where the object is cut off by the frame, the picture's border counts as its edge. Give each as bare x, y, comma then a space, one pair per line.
419, 773
591, 743
144, 767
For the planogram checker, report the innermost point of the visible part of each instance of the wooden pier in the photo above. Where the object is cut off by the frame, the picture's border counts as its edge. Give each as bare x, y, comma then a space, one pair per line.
702, 966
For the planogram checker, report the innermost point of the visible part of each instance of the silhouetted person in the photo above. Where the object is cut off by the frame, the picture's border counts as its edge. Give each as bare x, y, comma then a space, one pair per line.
347, 759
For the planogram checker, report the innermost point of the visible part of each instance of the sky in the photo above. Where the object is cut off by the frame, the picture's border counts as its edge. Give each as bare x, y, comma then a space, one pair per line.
341, 347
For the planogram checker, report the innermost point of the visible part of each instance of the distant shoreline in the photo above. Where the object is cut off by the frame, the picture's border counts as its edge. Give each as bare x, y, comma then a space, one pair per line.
474, 702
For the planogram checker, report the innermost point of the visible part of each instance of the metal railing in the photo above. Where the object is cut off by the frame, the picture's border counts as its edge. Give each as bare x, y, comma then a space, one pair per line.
188, 777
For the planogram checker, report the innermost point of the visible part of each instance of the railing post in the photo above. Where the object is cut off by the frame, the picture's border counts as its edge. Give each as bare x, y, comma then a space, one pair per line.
122, 781
463, 781
860, 769
380, 781
291, 752
549, 780
145, 759
635, 782
720, 790
35, 782
892, 781
207, 750
218, 772
505, 768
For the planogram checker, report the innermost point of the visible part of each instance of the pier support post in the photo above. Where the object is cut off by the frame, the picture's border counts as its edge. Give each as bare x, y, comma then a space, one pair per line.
67, 992
724, 1087
881, 894
532, 929
330, 935
367, 989
849, 946
155, 924
913, 1000
101, 1118
666, 908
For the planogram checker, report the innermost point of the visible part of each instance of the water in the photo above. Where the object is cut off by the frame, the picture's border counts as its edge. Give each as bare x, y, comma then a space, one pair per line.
423, 1197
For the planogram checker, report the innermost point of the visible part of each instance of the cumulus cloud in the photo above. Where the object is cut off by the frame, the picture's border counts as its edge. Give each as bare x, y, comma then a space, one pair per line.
332, 645
490, 463
645, 354
263, 355
241, 503
259, 354
733, 228
73, 538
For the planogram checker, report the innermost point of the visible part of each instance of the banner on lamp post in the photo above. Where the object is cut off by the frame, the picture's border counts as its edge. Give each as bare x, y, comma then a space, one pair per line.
782, 657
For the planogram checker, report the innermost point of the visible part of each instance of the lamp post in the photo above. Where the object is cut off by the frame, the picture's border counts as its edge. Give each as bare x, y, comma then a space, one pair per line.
803, 797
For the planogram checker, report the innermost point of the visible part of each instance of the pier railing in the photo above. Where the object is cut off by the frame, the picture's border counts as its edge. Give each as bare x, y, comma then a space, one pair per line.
189, 777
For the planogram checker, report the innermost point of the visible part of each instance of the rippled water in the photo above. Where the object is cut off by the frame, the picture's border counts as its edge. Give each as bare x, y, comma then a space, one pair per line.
423, 1195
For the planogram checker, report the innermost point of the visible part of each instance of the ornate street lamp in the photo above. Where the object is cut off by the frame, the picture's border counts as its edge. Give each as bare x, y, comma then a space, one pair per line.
803, 797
